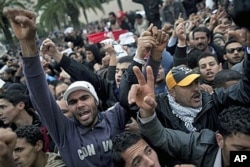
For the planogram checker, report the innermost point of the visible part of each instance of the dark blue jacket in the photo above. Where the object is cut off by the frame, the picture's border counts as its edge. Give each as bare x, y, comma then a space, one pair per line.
79, 146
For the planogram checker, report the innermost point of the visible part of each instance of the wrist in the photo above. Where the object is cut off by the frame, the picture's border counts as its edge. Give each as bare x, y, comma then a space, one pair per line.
58, 57
138, 60
181, 44
29, 48
174, 35
140, 54
156, 54
145, 114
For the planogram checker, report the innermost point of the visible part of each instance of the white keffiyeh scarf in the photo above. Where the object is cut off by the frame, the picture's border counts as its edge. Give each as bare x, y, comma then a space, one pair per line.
186, 114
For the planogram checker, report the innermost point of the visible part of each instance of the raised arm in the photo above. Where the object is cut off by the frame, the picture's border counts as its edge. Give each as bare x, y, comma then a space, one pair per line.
24, 27
157, 51
239, 93
79, 72
143, 93
179, 145
145, 43
152, 42
180, 55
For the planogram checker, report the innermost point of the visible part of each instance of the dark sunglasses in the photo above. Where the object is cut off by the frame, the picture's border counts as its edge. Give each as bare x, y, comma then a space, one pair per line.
231, 50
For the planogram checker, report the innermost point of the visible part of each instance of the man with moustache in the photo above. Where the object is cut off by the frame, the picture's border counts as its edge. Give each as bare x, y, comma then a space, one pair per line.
202, 41
186, 107
204, 148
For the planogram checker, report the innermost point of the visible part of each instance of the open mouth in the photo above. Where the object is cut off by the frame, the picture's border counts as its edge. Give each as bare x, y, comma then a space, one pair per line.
18, 165
118, 80
84, 115
197, 97
200, 45
210, 74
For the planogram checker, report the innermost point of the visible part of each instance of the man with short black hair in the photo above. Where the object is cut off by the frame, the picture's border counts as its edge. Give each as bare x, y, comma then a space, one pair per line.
226, 78
209, 66
130, 149
16, 111
29, 149
234, 53
202, 40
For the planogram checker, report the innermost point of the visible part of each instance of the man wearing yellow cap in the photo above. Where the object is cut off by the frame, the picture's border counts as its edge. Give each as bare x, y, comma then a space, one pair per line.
185, 107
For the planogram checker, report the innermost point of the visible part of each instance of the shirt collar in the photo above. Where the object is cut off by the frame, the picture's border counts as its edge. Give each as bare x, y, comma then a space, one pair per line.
218, 159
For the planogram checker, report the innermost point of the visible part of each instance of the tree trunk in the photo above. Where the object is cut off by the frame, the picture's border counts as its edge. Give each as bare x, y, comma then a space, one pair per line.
58, 23
74, 15
7, 33
85, 16
119, 2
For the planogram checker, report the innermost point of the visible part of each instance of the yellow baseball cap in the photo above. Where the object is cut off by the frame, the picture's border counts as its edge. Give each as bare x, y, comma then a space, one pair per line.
180, 76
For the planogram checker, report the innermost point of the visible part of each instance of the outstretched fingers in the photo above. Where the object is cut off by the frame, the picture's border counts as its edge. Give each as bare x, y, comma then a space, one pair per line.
139, 76
150, 76
141, 79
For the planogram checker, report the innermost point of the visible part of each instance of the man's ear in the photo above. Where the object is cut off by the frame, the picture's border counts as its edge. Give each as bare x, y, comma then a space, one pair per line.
171, 92
220, 66
220, 140
225, 57
39, 145
20, 105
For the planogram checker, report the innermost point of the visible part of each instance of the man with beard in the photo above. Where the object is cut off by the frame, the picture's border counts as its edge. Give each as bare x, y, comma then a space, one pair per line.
114, 24
201, 36
202, 41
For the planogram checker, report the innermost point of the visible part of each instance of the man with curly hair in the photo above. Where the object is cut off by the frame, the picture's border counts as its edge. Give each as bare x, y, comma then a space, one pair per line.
29, 149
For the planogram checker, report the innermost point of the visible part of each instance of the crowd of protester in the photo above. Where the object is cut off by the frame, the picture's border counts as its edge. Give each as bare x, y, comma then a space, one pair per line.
174, 90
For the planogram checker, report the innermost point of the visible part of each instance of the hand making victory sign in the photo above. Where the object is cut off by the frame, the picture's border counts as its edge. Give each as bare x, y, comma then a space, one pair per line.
143, 93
